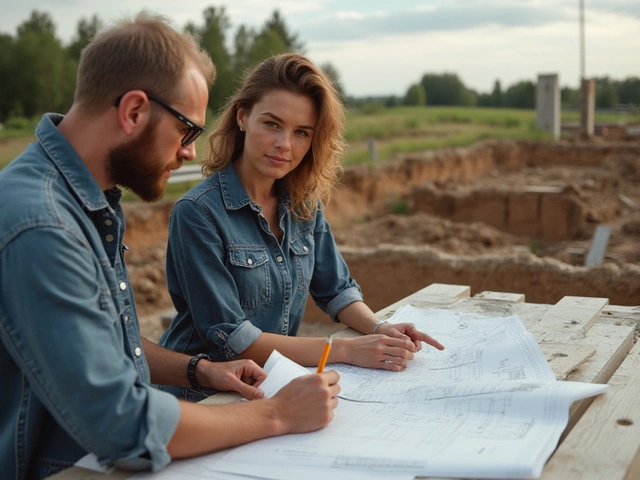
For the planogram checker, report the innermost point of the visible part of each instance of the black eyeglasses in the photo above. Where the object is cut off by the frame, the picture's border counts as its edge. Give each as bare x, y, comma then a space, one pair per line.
194, 129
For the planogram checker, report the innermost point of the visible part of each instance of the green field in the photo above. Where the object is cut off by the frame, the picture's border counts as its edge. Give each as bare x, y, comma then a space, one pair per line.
394, 131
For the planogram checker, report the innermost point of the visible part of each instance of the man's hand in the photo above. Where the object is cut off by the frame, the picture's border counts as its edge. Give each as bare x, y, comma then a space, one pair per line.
307, 403
242, 376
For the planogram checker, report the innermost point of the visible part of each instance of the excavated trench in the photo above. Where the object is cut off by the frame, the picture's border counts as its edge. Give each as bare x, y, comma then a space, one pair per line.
513, 216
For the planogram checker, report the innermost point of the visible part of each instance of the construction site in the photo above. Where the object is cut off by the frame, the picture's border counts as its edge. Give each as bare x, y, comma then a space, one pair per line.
545, 219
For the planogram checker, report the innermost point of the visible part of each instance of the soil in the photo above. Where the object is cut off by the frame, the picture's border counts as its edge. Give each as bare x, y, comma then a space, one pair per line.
606, 192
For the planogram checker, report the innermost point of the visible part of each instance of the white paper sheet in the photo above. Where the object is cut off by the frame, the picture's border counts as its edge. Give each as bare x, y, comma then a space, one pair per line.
487, 407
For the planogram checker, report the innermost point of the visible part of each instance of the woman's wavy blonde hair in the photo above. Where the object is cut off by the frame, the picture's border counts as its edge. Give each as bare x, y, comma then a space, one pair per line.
312, 181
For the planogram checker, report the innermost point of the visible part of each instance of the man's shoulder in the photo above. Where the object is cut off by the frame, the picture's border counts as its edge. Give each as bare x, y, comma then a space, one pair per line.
33, 195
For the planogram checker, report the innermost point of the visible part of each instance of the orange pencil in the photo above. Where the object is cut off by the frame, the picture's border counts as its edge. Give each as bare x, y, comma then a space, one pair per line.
325, 355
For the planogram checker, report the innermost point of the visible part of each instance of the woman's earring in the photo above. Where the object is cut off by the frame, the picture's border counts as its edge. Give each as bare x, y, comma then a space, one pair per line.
241, 129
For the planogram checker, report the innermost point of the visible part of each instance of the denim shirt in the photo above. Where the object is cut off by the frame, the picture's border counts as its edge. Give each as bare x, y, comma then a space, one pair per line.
74, 378
231, 279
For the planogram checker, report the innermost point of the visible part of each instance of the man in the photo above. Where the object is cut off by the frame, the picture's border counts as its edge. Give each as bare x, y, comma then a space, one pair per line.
75, 374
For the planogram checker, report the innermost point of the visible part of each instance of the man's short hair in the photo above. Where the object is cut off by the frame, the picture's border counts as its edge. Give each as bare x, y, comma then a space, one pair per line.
145, 53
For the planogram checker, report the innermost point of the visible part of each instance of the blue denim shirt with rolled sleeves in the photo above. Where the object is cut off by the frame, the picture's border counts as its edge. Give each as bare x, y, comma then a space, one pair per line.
230, 278
73, 376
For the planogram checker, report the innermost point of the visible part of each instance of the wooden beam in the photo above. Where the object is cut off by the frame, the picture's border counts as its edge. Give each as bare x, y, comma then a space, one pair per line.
501, 296
568, 320
605, 442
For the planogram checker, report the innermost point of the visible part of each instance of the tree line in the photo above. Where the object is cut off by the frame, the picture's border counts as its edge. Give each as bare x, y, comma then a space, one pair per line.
38, 72
448, 89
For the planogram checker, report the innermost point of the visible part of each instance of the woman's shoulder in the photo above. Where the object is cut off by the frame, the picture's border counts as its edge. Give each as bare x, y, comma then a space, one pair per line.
207, 190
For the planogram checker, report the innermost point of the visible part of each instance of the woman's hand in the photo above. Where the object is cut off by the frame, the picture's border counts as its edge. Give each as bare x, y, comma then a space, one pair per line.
377, 351
408, 330
242, 376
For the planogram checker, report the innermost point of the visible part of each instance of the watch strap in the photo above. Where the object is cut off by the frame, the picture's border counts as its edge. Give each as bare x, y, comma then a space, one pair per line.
191, 370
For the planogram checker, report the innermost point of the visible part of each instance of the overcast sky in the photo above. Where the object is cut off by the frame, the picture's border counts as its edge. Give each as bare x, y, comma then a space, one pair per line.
381, 47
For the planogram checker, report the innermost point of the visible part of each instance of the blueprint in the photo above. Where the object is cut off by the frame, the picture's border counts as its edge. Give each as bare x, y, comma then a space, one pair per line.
488, 406
481, 356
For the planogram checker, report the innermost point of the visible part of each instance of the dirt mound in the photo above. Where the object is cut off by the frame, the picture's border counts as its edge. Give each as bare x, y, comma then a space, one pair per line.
423, 229
507, 216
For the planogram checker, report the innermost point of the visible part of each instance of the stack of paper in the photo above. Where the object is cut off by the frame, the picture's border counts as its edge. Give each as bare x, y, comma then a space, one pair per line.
488, 406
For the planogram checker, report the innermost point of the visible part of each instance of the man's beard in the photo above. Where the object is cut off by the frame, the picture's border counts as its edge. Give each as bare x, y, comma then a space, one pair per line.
137, 165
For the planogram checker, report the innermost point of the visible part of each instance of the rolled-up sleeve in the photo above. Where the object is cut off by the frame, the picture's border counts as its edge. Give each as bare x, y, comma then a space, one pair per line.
63, 332
200, 283
331, 286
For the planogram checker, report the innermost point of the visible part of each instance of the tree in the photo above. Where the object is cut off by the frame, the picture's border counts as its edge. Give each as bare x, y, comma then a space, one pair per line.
521, 95
446, 89
41, 67
251, 47
266, 44
243, 40
212, 39
7, 98
569, 97
415, 95
629, 91
333, 74
606, 94
496, 94
291, 42
85, 32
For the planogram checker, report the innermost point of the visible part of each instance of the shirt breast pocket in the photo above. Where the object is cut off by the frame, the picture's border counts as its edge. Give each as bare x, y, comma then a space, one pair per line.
304, 258
249, 266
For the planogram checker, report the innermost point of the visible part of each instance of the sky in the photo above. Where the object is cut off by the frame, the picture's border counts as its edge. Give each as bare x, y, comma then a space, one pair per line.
381, 47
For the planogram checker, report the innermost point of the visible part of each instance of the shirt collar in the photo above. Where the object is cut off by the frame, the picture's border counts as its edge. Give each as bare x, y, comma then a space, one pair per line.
235, 196
71, 166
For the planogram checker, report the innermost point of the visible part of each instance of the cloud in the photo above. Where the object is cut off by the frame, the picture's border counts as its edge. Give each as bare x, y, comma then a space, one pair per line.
623, 7
343, 26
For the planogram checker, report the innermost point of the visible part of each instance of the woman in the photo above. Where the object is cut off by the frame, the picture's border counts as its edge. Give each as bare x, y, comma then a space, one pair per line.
250, 242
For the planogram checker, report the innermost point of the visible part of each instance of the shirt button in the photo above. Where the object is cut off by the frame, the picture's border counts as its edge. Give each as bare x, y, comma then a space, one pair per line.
108, 222
109, 238
127, 318
305, 249
137, 351
123, 286
250, 262
286, 300
279, 259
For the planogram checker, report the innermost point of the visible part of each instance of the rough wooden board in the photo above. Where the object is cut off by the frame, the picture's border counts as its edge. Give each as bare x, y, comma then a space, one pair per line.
564, 358
531, 313
612, 345
621, 315
568, 320
501, 296
490, 308
622, 310
434, 295
422, 302
606, 440
446, 290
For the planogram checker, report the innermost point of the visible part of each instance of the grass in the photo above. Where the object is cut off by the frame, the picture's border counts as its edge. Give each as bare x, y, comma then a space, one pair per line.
405, 130
394, 131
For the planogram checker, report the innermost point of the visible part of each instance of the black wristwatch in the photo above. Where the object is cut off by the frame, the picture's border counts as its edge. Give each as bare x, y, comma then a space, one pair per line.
191, 371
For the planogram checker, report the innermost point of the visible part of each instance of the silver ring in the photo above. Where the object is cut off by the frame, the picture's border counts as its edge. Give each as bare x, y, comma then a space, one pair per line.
388, 361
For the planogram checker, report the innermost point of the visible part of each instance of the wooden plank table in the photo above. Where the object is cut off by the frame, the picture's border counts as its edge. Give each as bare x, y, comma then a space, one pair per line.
584, 339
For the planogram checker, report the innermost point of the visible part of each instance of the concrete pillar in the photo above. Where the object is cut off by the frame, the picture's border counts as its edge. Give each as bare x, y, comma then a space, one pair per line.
548, 104
587, 107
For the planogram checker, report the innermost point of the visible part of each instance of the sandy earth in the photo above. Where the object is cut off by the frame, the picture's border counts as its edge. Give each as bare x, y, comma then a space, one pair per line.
608, 193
